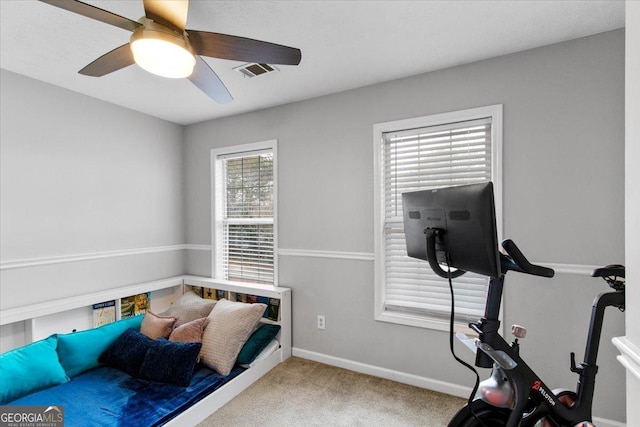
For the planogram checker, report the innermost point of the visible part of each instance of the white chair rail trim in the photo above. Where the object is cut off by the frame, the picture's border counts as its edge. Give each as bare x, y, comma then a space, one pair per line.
356, 256
579, 269
59, 259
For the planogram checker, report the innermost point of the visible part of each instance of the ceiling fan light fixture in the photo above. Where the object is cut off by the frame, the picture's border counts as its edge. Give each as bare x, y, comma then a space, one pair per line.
163, 53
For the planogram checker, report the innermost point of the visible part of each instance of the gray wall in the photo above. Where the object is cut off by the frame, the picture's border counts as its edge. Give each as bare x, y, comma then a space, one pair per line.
563, 197
79, 177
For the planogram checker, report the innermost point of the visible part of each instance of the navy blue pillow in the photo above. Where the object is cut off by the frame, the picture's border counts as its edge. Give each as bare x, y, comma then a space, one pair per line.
257, 342
127, 352
170, 362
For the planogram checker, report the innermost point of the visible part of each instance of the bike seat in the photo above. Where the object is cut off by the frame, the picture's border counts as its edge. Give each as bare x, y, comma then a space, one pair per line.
609, 270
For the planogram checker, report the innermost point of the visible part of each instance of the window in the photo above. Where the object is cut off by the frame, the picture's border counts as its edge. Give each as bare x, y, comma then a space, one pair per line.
244, 211
424, 153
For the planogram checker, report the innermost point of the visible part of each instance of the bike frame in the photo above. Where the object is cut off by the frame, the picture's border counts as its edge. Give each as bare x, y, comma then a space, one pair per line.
527, 385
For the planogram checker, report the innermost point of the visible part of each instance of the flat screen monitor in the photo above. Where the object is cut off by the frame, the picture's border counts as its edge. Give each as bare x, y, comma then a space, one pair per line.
463, 222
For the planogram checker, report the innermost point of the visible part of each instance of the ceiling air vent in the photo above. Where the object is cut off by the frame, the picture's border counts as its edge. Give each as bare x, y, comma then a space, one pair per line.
254, 70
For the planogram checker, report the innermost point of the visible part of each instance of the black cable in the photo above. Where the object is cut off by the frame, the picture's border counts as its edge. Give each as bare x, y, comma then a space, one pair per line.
453, 353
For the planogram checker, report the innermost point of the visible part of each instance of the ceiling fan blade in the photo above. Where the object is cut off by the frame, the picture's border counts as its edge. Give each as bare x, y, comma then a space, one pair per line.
224, 46
96, 13
171, 13
208, 81
115, 60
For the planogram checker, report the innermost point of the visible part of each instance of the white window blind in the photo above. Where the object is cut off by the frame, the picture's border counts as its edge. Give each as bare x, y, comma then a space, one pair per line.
421, 159
247, 222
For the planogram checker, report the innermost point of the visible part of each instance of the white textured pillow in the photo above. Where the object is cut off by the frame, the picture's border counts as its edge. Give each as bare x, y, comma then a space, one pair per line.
189, 307
230, 325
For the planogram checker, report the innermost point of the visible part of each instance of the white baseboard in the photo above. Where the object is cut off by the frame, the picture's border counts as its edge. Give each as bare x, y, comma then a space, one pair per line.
389, 374
403, 377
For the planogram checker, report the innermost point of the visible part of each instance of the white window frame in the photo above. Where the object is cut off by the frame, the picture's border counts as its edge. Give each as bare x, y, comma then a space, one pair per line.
379, 129
218, 205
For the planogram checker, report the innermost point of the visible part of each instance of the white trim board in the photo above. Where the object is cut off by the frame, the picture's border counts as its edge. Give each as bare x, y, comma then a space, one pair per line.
405, 378
356, 256
197, 247
579, 269
59, 259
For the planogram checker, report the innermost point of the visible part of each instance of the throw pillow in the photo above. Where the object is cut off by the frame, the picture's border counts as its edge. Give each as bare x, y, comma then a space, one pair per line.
127, 352
30, 368
189, 332
79, 351
155, 326
170, 362
257, 342
189, 307
230, 325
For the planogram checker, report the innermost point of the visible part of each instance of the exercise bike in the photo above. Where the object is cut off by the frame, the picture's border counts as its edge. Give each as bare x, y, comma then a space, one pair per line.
514, 395
456, 227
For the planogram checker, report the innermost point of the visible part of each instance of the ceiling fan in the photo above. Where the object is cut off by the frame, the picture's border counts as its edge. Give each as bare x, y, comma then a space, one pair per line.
161, 45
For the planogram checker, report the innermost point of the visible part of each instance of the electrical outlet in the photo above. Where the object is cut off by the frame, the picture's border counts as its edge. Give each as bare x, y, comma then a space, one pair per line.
321, 322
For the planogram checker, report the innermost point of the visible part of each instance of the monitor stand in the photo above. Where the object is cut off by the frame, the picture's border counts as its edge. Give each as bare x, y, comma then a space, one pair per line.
435, 235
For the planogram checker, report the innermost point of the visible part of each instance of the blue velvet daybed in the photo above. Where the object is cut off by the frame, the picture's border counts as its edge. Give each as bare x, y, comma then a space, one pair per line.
99, 377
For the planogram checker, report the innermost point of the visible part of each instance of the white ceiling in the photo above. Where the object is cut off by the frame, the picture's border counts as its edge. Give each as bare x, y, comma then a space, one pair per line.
345, 44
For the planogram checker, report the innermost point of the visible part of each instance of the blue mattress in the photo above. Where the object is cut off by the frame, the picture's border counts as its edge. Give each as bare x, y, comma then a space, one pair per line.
109, 397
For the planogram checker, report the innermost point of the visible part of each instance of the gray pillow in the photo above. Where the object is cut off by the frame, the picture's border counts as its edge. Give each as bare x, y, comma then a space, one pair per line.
189, 307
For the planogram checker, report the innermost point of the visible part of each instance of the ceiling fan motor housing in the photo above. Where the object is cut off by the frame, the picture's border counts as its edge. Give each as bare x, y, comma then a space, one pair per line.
162, 51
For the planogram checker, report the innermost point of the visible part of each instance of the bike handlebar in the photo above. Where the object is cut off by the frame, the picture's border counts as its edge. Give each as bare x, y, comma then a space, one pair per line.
516, 261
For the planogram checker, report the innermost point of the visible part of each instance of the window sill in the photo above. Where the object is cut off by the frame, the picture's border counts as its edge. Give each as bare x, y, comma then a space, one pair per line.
424, 322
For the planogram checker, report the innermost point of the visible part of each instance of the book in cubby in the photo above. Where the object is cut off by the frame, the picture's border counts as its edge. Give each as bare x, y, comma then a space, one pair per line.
103, 313
135, 305
273, 304
273, 310
240, 297
212, 293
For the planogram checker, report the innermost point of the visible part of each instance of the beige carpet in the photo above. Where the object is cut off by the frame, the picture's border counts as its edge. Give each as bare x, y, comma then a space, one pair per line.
300, 392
